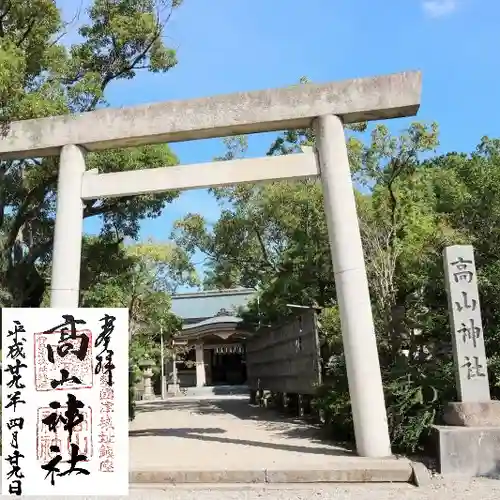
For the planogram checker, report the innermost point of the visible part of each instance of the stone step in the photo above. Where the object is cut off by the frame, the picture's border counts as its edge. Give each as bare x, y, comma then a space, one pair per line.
219, 390
351, 471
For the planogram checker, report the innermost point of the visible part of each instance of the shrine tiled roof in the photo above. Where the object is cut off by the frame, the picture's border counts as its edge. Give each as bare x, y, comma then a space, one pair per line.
199, 306
216, 320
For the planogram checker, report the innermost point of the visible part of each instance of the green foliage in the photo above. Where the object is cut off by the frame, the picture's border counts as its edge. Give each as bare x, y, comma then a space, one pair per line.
140, 278
411, 205
40, 75
414, 400
414, 396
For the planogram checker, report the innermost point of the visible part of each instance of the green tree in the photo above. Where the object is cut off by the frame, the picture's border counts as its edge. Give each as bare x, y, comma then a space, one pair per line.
141, 278
467, 194
274, 236
40, 76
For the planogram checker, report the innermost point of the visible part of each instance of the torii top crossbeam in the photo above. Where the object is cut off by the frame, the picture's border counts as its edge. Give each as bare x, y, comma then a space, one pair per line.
360, 99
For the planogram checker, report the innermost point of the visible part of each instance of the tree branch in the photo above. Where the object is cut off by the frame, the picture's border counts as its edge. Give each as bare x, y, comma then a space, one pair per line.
3, 172
91, 211
3, 16
38, 251
113, 76
25, 35
23, 213
265, 254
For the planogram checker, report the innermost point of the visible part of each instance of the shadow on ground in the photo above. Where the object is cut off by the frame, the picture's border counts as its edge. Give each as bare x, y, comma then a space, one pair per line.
271, 420
240, 408
203, 434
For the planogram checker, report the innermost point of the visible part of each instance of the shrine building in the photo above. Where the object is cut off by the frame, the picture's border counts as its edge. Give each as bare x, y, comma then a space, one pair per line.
212, 336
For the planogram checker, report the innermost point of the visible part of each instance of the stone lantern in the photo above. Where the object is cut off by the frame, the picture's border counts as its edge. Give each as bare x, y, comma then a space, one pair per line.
146, 365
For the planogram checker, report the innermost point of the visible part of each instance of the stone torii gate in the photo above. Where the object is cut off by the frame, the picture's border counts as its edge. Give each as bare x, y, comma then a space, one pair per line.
326, 107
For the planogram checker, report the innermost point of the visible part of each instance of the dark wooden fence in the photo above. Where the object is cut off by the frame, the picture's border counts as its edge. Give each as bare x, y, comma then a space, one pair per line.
285, 359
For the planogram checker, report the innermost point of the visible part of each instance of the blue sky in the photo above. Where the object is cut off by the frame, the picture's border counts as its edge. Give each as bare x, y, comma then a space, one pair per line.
229, 46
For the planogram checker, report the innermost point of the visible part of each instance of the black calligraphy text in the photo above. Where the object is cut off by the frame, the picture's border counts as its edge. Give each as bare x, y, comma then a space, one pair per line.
462, 273
16, 355
105, 357
68, 337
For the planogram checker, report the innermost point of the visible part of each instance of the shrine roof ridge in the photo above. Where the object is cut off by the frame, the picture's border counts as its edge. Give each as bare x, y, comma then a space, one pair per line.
213, 293
216, 320
199, 306
355, 100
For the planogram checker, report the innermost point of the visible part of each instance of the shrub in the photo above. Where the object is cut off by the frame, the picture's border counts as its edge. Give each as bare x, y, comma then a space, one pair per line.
414, 396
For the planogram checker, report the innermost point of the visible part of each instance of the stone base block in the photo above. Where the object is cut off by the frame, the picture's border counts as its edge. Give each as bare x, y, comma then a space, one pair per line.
173, 389
469, 451
473, 414
348, 470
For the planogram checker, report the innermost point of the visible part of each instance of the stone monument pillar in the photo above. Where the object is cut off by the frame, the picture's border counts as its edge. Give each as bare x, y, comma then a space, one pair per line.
470, 443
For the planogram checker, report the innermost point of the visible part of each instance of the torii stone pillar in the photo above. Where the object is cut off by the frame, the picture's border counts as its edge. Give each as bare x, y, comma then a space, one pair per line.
358, 334
65, 283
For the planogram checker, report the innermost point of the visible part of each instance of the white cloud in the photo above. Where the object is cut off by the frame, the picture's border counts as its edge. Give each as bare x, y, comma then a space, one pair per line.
439, 8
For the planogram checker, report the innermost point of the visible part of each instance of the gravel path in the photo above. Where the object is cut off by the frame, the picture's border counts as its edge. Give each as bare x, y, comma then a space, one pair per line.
224, 434
479, 489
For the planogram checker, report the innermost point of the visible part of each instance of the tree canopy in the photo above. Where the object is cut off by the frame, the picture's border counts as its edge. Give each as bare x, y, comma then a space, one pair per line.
41, 75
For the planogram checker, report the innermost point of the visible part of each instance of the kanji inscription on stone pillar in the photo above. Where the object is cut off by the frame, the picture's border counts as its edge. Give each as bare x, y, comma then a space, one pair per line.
466, 325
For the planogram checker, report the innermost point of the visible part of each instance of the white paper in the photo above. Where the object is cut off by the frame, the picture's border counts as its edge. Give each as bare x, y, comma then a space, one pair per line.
102, 435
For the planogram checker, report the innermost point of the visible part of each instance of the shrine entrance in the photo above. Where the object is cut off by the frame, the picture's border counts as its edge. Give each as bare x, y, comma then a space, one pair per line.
227, 368
325, 108
221, 365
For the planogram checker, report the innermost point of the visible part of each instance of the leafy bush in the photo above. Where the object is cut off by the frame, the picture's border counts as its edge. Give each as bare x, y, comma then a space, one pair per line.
334, 403
414, 400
